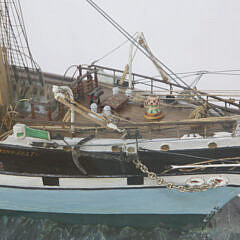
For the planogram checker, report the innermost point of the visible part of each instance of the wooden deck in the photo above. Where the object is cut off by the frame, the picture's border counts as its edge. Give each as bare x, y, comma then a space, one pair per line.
135, 111
130, 116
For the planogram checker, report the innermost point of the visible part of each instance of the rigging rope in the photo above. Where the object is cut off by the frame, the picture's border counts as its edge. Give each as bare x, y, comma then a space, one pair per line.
135, 43
110, 52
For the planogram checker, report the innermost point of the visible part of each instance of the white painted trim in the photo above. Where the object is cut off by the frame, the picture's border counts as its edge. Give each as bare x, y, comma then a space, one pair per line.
105, 144
107, 182
205, 166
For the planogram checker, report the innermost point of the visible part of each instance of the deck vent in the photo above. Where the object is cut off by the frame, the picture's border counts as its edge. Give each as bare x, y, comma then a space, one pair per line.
165, 148
67, 148
136, 180
212, 145
116, 148
50, 181
131, 149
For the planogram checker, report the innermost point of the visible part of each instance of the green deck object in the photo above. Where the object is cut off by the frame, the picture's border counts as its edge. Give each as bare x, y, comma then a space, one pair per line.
25, 131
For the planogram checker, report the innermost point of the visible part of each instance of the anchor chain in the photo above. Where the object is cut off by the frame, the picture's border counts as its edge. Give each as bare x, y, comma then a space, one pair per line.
181, 188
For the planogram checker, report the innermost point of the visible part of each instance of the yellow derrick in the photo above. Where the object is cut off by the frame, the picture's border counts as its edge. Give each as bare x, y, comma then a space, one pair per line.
124, 75
143, 43
77, 107
67, 116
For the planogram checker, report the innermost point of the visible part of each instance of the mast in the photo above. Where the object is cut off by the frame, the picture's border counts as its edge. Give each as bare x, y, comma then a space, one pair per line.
15, 55
5, 90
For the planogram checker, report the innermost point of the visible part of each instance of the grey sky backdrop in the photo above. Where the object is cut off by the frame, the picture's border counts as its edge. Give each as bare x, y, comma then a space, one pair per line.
187, 35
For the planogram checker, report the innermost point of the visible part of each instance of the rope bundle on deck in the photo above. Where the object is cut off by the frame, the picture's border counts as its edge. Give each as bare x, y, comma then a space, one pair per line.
199, 112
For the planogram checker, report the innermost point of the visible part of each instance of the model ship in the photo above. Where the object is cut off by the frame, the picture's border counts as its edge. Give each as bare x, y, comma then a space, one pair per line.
95, 145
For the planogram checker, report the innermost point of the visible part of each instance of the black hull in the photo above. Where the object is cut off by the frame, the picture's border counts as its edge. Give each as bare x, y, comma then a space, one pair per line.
59, 162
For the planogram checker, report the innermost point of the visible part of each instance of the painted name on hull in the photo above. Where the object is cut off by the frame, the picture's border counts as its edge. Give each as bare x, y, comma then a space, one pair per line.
18, 153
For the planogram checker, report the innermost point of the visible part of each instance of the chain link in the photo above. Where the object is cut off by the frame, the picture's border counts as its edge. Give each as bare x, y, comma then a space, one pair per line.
181, 188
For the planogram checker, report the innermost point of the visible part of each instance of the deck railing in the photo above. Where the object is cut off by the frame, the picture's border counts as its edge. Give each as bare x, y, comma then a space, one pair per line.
169, 129
170, 87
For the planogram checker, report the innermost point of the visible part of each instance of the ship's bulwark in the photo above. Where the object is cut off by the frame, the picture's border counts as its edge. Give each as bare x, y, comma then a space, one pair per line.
21, 159
119, 206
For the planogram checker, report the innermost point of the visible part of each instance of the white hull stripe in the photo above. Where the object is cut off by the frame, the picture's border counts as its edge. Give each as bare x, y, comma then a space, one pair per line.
107, 182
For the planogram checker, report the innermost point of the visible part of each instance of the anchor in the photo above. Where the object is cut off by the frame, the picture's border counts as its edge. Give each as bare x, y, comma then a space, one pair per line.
76, 153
